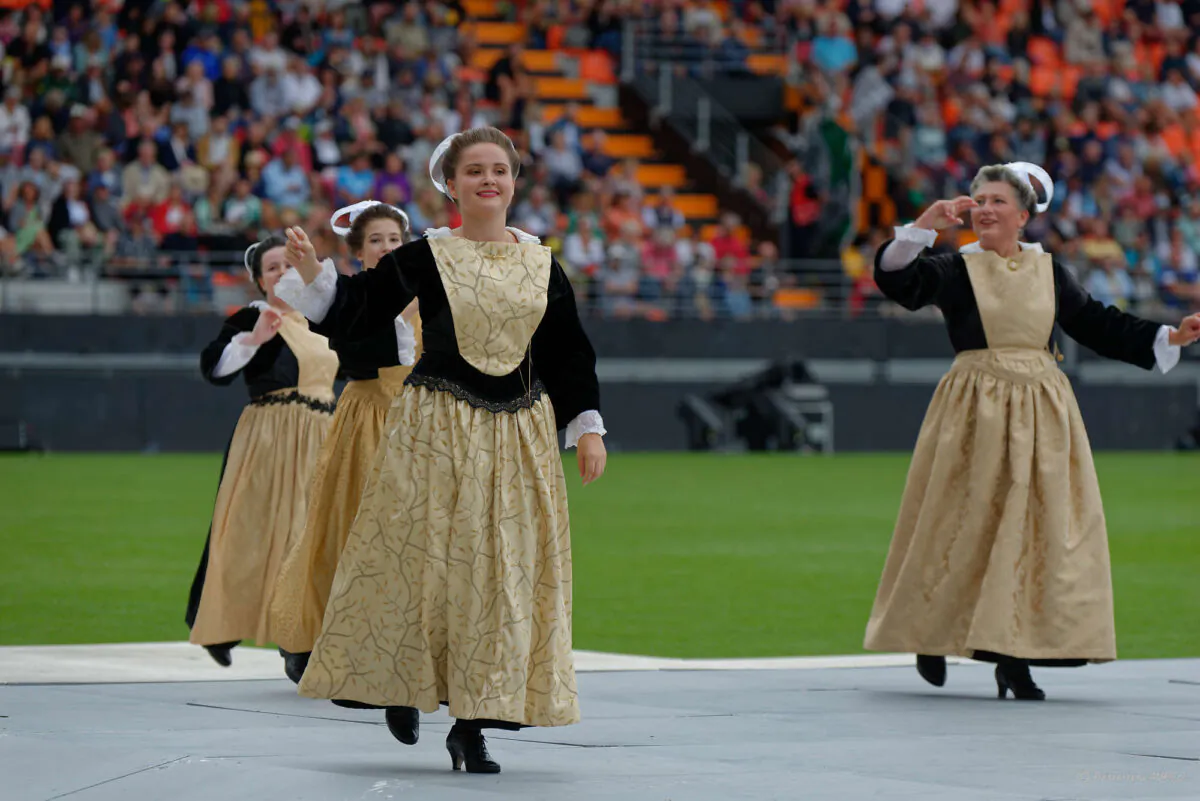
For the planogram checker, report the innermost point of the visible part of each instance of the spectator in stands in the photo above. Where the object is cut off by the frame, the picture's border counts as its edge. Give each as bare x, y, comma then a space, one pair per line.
71, 227
595, 161
766, 279
285, 183
391, 184
174, 221
621, 280
355, 180
1179, 274
804, 214
565, 167
660, 264
729, 247
15, 123
619, 214
301, 89
568, 126
42, 139
230, 93
80, 145
583, 252
537, 215
1111, 285
243, 210
662, 213
733, 293
177, 152
145, 181
27, 222
106, 216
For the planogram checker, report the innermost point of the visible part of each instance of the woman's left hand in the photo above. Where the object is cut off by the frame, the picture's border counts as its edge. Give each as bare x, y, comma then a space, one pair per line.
592, 457
1187, 333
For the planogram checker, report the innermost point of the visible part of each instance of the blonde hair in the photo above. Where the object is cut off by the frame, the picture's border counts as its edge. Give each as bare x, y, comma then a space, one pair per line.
478, 136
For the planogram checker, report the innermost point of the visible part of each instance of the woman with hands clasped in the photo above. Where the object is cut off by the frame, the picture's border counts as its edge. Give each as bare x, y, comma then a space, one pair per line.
262, 499
455, 583
1000, 551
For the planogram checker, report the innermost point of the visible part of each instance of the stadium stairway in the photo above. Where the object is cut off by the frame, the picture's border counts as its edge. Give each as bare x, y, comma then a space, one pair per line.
585, 80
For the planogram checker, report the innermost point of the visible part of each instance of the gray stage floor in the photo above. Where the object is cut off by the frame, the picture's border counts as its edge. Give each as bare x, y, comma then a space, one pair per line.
1128, 730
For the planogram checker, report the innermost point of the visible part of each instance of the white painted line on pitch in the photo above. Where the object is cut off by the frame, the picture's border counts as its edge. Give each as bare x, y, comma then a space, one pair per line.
182, 661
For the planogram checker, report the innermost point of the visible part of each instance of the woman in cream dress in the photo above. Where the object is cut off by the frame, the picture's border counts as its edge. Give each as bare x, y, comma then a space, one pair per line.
1000, 552
455, 583
263, 494
375, 369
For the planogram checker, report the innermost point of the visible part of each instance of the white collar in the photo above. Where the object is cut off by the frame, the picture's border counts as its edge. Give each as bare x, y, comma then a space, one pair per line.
975, 247
261, 305
522, 237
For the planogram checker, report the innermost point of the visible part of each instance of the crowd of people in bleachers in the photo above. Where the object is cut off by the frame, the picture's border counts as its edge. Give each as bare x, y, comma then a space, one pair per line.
1102, 93
134, 135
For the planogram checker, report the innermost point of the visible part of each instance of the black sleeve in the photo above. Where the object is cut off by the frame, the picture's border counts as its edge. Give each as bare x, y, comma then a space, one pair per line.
922, 282
562, 355
368, 302
242, 320
1108, 331
380, 350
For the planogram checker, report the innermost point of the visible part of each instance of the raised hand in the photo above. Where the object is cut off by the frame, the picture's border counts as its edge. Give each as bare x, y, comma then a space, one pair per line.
302, 255
945, 213
1187, 333
267, 327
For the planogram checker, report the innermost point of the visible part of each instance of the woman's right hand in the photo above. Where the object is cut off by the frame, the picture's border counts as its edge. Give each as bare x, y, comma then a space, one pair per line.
267, 327
945, 213
302, 255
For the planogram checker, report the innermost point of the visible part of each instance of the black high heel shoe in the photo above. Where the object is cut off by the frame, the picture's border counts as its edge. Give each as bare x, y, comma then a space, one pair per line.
467, 745
221, 653
404, 722
294, 664
1013, 674
932, 669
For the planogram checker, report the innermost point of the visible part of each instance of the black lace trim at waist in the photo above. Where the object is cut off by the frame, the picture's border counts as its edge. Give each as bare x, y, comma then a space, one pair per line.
295, 397
437, 384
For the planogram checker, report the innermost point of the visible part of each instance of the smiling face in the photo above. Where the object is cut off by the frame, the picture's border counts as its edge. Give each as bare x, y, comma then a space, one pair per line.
483, 180
381, 238
274, 264
999, 217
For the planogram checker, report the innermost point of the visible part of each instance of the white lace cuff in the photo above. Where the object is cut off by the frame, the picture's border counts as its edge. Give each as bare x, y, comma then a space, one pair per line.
406, 341
237, 354
312, 300
1166, 354
907, 245
586, 423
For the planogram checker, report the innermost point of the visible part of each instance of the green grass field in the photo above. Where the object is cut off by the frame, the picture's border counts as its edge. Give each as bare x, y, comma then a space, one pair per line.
685, 555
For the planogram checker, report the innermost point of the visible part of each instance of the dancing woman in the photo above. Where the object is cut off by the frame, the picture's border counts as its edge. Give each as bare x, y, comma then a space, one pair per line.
375, 369
455, 583
1000, 552
263, 494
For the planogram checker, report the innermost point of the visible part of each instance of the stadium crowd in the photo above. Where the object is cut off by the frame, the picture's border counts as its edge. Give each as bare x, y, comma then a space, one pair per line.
135, 134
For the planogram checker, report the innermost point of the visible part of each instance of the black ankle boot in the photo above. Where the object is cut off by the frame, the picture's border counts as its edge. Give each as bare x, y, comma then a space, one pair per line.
222, 653
294, 664
404, 722
932, 669
1013, 674
467, 745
